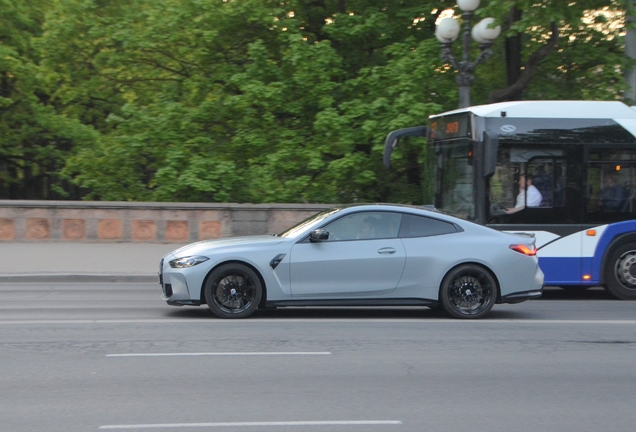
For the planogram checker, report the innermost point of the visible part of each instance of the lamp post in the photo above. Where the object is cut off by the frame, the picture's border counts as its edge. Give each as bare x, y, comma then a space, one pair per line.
483, 33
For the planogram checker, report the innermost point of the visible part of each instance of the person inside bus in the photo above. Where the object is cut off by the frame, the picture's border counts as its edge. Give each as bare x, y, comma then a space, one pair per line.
526, 187
612, 196
543, 182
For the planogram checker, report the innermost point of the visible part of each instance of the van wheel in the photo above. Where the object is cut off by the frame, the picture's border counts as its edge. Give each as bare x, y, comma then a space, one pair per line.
620, 272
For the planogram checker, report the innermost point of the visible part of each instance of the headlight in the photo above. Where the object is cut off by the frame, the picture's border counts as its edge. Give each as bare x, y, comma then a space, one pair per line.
186, 262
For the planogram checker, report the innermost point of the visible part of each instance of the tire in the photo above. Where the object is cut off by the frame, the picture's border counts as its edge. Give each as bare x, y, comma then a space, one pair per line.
620, 272
468, 292
233, 291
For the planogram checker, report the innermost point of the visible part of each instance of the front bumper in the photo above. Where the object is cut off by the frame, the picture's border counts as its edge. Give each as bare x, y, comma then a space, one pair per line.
183, 302
174, 286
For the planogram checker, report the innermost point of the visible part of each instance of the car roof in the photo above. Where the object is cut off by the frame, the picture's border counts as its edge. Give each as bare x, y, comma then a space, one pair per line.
428, 209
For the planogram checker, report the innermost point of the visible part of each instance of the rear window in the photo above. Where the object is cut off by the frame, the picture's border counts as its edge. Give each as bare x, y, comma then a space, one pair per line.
420, 226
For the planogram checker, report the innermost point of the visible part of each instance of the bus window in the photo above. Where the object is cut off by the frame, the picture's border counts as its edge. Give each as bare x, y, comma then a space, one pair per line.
502, 185
455, 194
610, 189
545, 171
549, 178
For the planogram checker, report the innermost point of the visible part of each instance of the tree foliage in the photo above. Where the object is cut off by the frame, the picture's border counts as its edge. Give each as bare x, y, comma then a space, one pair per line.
35, 137
257, 100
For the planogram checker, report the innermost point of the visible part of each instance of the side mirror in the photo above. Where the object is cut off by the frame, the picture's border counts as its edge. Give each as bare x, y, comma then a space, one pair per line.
319, 235
393, 138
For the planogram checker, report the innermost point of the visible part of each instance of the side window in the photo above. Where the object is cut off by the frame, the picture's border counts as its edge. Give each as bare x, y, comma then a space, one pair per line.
420, 226
610, 191
365, 226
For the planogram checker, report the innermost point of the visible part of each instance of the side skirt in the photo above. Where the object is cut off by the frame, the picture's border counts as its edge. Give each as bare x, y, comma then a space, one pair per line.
354, 302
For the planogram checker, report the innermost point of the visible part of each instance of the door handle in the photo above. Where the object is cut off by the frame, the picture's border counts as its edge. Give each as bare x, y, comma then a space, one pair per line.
386, 250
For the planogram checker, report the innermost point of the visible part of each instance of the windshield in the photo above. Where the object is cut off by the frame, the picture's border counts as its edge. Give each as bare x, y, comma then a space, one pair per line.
314, 220
454, 186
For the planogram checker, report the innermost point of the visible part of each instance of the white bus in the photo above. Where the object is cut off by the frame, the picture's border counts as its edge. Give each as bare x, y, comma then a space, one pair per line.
579, 156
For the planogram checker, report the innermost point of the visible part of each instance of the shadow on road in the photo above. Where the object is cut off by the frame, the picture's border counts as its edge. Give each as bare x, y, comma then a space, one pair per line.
575, 293
324, 312
549, 293
396, 313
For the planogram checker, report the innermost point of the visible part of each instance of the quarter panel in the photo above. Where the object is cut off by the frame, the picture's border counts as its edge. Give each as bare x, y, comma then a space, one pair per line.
429, 259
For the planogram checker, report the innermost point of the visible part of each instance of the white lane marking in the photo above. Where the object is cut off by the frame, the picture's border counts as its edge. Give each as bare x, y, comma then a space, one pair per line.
257, 424
263, 353
315, 320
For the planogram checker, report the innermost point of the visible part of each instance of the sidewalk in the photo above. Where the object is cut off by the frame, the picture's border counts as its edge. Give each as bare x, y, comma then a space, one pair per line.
81, 262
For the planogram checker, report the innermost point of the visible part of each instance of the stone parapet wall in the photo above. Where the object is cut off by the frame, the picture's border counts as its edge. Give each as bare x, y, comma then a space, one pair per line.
96, 221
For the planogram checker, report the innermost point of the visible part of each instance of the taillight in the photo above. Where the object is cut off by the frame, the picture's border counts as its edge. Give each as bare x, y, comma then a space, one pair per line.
524, 249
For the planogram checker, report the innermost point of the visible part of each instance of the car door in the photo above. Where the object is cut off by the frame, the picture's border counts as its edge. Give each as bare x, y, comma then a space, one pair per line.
362, 256
433, 247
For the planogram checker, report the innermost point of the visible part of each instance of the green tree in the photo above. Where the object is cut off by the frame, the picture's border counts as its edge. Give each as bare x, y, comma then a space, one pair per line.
264, 115
263, 101
557, 50
35, 138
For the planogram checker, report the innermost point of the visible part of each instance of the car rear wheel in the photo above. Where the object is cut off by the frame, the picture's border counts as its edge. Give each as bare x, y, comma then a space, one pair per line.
233, 291
620, 272
468, 291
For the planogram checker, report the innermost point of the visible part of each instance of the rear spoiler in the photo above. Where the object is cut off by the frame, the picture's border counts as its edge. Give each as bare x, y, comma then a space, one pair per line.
393, 138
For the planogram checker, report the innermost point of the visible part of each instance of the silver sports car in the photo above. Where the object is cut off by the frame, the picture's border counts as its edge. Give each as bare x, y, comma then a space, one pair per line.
359, 255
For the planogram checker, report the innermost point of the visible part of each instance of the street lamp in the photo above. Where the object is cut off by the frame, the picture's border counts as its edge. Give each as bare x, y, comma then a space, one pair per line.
484, 33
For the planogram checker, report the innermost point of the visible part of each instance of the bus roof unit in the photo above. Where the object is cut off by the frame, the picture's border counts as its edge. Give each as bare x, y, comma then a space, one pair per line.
551, 109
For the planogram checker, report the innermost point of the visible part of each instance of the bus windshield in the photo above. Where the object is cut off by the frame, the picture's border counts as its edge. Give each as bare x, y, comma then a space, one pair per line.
454, 191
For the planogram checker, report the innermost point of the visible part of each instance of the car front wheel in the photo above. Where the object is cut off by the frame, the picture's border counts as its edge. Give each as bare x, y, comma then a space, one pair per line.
468, 291
233, 291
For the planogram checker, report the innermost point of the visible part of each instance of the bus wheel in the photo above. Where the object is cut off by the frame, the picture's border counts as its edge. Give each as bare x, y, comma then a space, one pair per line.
620, 272
468, 291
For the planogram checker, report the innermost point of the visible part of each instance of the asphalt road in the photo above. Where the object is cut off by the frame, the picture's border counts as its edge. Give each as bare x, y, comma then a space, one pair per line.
90, 357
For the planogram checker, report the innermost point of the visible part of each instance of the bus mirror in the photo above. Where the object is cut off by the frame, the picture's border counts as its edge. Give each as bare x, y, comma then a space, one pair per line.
491, 144
393, 138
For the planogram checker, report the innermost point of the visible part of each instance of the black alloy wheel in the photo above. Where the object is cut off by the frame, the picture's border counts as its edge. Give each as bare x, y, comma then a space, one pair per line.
468, 291
233, 291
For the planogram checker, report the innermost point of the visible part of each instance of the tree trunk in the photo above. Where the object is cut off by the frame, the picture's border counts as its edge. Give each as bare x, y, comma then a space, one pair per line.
516, 89
513, 53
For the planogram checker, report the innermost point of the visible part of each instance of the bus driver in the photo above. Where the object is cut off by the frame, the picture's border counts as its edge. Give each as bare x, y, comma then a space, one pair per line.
534, 196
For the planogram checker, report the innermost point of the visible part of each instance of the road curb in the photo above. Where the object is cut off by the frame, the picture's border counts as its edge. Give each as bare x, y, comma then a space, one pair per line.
78, 278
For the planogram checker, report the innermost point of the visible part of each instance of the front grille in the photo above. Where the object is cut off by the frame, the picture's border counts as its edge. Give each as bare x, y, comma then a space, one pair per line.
161, 272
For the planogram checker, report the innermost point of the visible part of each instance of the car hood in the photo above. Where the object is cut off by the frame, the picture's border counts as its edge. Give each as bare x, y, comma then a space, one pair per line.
206, 246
